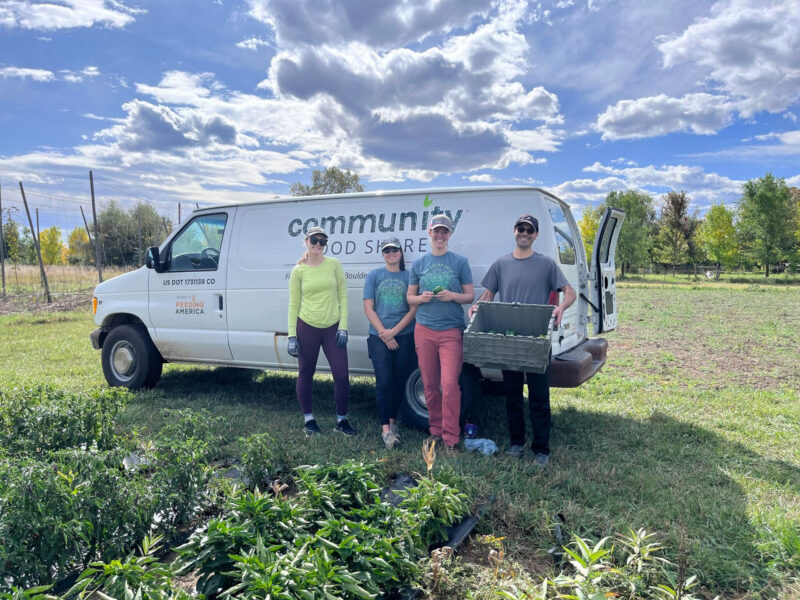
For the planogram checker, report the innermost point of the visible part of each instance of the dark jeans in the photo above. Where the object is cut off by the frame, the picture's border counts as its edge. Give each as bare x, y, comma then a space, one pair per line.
539, 405
392, 369
311, 339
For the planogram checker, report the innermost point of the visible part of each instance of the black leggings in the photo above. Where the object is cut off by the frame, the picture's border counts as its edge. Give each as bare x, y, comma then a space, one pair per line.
310, 340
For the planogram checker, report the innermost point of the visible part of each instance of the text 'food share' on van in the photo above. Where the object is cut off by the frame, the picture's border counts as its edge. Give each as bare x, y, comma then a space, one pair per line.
216, 291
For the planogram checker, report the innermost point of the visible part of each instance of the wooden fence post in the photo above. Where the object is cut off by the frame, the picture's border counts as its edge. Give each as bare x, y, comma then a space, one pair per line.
36, 244
97, 247
2, 248
88, 233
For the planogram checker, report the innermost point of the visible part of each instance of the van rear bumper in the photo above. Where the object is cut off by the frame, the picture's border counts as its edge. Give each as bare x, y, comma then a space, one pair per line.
580, 364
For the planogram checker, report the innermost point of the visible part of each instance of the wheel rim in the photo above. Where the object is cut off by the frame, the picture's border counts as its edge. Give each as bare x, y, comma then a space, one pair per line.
415, 394
123, 360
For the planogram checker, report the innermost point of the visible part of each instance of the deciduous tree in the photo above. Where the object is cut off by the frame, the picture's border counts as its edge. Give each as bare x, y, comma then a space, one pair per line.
590, 221
79, 250
51, 246
672, 241
717, 235
767, 220
330, 181
633, 245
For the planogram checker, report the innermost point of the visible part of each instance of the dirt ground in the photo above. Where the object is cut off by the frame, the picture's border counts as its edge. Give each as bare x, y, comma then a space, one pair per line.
33, 304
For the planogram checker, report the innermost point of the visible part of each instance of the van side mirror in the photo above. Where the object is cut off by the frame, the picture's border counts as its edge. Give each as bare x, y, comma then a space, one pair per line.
153, 261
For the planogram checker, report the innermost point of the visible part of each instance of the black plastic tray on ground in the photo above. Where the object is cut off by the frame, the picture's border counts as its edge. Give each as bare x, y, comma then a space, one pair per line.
528, 349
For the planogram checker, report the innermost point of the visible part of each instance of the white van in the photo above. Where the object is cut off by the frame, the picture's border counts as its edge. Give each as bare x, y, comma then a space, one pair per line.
216, 291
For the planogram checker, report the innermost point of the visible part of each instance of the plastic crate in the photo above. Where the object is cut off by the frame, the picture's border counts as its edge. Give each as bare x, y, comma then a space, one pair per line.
487, 345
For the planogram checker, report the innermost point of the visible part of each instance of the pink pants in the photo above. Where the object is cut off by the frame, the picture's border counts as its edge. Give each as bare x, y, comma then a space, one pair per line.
441, 355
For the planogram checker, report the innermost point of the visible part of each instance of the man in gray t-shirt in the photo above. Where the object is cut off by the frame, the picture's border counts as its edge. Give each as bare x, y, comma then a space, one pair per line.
527, 277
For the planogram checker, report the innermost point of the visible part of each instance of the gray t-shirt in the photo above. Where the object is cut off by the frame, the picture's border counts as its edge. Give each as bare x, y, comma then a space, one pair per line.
526, 280
388, 291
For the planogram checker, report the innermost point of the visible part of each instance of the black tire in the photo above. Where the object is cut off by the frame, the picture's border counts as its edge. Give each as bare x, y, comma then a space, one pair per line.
414, 411
130, 359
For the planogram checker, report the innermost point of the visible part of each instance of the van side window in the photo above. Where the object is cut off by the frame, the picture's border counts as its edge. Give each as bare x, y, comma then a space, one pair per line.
197, 246
564, 241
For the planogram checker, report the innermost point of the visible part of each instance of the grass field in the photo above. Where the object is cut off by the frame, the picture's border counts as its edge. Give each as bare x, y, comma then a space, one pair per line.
691, 431
24, 282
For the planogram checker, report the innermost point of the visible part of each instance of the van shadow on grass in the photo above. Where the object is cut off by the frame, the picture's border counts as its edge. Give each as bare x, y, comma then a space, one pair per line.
680, 480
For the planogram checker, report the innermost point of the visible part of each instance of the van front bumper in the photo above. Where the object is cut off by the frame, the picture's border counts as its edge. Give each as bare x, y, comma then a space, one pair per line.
98, 336
580, 364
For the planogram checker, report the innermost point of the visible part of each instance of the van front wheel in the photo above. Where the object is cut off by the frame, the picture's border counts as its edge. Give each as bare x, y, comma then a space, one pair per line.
130, 359
414, 410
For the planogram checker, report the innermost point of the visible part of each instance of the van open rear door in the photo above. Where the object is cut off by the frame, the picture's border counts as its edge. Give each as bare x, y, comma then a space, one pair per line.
602, 272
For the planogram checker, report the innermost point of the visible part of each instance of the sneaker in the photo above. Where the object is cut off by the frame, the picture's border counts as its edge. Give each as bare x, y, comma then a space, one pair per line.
434, 438
311, 428
452, 451
344, 427
541, 460
391, 439
515, 451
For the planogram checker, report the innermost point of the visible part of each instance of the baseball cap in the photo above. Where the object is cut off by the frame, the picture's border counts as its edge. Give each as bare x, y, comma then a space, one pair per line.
530, 220
316, 231
391, 242
441, 221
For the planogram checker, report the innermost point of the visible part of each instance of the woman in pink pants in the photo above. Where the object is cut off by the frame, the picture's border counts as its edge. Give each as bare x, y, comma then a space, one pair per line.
439, 283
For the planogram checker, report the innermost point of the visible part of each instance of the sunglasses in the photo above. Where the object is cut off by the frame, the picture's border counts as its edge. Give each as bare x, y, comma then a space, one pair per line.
523, 229
322, 241
390, 249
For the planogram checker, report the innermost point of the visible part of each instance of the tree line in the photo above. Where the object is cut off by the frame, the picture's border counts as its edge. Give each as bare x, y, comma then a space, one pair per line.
124, 237
762, 231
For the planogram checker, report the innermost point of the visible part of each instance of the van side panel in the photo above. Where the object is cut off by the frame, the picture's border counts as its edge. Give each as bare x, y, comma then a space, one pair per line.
268, 239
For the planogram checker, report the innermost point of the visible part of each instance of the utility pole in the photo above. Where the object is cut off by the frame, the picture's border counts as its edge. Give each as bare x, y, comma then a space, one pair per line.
97, 259
36, 244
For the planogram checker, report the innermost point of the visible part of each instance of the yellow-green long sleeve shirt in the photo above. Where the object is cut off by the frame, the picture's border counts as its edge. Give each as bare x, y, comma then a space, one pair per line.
318, 295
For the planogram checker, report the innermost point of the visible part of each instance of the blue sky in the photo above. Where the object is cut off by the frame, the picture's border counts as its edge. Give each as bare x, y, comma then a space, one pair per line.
209, 101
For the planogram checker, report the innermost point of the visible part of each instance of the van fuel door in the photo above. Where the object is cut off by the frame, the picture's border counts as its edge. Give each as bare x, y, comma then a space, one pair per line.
603, 278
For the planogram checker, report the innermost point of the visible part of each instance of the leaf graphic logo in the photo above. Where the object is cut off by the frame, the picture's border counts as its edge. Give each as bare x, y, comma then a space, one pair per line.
427, 202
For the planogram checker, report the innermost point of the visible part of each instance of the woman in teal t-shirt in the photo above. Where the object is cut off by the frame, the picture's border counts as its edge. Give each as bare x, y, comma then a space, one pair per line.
391, 335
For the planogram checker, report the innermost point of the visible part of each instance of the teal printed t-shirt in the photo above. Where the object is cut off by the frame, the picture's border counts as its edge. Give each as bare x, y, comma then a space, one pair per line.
451, 271
387, 290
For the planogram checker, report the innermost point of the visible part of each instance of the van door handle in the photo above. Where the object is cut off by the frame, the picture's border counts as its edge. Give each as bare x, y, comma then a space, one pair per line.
220, 301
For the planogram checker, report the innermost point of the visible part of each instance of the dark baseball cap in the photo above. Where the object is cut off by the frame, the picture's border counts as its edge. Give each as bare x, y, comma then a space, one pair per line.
530, 220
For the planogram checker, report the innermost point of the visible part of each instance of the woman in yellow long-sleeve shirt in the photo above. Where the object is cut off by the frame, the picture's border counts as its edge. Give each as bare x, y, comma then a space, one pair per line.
318, 319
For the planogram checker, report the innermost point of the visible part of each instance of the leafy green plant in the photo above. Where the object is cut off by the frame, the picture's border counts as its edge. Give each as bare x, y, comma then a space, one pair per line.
433, 507
259, 459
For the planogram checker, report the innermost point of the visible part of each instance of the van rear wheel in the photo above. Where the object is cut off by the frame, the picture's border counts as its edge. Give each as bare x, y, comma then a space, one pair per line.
130, 359
414, 409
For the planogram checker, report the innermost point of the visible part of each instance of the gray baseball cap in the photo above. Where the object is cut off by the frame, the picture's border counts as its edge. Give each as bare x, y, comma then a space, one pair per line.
316, 231
391, 242
441, 221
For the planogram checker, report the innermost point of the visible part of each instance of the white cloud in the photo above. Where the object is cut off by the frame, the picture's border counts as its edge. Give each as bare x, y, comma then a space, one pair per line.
703, 114
40, 75
749, 49
77, 77
32, 14
482, 178
253, 43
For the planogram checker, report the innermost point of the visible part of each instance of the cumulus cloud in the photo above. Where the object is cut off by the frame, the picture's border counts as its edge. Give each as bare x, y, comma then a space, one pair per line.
40, 75
151, 127
749, 49
79, 76
482, 178
32, 14
378, 24
659, 115
447, 107
703, 187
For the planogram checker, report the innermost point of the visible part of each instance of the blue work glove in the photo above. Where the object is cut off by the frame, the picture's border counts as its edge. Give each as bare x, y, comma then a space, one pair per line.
341, 338
294, 347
